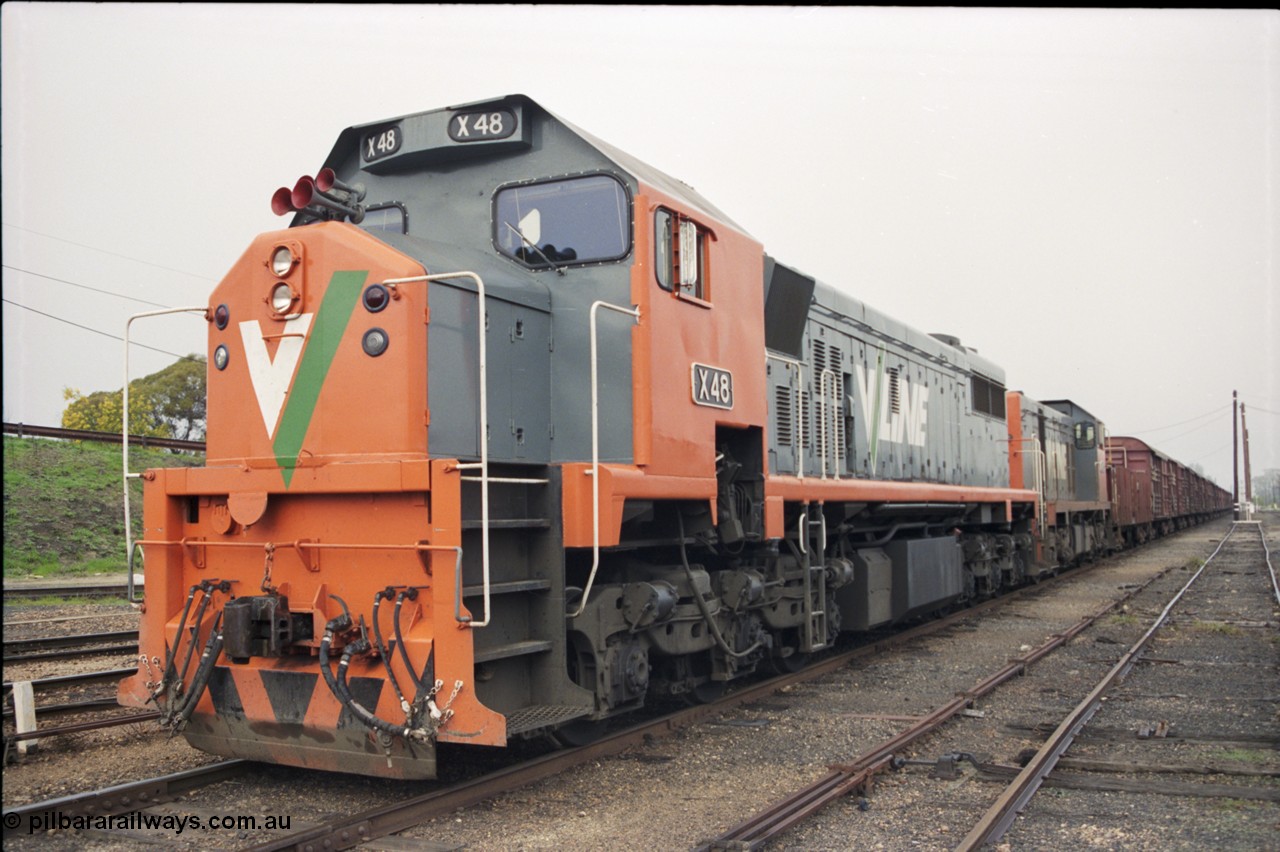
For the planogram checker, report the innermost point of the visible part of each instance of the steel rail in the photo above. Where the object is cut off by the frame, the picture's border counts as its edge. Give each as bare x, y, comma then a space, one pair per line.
70, 707
24, 430
40, 643
124, 798
78, 679
1266, 554
71, 653
781, 816
81, 727
88, 591
996, 821
69, 647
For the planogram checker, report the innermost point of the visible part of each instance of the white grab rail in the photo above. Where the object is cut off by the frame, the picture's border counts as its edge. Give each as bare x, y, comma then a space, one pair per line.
595, 446
124, 431
484, 427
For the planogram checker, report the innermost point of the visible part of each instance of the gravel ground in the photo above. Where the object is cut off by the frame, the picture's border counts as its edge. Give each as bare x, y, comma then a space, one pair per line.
70, 764
675, 792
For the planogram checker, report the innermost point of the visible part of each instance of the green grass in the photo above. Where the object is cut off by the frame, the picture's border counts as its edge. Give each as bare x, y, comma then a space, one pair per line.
1216, 627
63, 505
54, 600
1245, 755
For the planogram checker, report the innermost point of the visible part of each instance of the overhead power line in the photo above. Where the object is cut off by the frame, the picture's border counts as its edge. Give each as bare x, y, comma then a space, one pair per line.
86, 287
97, 331
1217, 410
112, 253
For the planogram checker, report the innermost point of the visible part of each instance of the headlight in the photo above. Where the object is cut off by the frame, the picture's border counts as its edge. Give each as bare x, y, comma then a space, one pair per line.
282, 261
220, 357
375, 342
282, 297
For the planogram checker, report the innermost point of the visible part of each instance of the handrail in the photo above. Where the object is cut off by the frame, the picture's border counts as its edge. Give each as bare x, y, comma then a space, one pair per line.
124, 433
484, 423
302, 544
1039, 482
595, 446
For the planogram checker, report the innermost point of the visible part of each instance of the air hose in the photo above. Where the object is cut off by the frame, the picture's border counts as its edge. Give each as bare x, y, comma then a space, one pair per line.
385, 653
208, 660
338, 686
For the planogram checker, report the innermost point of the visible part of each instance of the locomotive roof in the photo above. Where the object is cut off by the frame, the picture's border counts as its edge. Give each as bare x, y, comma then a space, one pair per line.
889, 329
441, 148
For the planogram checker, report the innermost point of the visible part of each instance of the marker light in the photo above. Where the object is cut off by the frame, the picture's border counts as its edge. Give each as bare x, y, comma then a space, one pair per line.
282, 261
375, 342
282, 298
220, 357
376, 298
221, 316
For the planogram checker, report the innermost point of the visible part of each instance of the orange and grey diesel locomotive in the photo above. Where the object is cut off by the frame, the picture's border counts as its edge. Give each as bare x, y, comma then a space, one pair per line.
509, 433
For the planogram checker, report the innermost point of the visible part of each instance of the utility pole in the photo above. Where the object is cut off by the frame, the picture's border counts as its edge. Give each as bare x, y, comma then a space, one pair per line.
1248, 477
1235, 457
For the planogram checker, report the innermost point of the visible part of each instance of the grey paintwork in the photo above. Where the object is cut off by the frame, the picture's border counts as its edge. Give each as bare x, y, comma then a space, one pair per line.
1088, 458
927, 430
538, 347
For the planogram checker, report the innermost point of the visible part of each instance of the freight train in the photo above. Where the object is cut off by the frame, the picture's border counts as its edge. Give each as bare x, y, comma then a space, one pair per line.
510, 433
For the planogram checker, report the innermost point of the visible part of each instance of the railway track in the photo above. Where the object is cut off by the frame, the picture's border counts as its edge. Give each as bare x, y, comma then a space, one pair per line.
90, 590
352, 830
70, 647
1209, 592
990, 828
856, 775
439, 803
348, 831
121, 798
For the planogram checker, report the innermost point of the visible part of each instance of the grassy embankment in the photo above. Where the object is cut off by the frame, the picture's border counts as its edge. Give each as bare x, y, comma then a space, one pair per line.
63, 512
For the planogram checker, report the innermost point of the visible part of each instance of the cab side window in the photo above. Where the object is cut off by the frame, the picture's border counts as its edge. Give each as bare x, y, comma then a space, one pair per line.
563, 222
680, 254
1085, 438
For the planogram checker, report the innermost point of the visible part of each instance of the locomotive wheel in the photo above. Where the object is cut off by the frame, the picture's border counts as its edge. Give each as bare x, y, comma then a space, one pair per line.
706, 692
791, 663
787, 657
579, 733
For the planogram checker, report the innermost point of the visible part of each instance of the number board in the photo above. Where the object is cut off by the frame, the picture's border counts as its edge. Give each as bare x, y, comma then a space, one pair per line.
712, 386
381, 143
481, 126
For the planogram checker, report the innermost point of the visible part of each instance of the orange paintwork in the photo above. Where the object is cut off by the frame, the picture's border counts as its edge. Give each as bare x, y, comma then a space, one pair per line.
674, 439
364, 508
795, 490
368, 406
1013, 416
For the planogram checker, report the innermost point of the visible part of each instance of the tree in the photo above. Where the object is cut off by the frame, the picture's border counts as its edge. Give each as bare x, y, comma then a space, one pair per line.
168, 404
178, 397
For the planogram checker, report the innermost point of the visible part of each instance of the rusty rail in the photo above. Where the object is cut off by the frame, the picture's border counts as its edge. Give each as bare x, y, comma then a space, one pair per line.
996, 821
779, 817
26, 430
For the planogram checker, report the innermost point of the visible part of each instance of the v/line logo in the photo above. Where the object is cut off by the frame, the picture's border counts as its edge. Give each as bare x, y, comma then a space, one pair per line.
287, 387
908, 424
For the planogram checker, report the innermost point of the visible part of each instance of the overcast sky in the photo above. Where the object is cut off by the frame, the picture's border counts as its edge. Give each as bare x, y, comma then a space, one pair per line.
1088, 197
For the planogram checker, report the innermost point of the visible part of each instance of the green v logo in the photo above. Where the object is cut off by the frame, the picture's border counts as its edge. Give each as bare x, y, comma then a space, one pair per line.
288, 386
